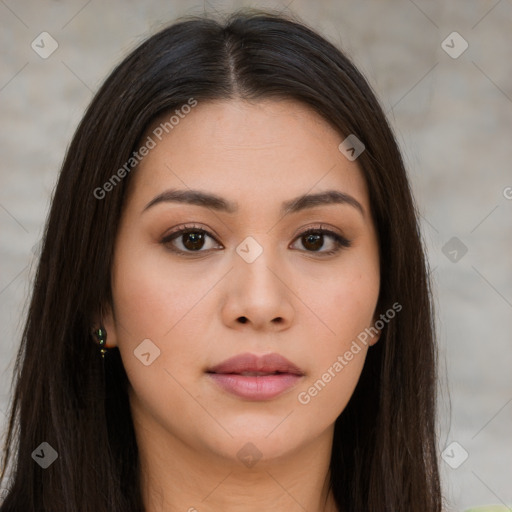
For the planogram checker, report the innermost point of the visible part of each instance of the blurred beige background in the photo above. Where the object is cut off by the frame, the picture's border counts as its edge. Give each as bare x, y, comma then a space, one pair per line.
451, 108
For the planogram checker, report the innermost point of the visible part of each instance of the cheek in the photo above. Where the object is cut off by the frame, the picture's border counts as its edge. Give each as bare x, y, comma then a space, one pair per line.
347, 303
328, 391
158, 309
154, 298
339, 355
171, 306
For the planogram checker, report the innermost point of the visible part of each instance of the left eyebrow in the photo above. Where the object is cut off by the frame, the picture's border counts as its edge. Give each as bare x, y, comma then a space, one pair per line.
215, 202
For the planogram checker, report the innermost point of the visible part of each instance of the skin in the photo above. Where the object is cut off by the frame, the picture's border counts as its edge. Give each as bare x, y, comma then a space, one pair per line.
188, 429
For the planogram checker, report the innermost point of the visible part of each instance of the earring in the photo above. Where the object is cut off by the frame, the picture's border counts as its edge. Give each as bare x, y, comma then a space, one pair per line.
101, 336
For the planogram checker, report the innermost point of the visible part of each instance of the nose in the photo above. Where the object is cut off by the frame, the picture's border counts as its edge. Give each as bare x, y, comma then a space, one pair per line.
257, 295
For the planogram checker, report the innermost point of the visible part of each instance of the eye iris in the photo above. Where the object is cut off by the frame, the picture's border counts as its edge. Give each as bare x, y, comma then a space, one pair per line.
197, 240
316, 239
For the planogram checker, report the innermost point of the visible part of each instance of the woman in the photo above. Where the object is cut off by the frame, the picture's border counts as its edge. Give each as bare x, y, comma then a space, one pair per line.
291, 365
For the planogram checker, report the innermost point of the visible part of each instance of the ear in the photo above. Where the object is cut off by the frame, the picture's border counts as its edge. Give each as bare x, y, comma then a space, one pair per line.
375, 337
106, 319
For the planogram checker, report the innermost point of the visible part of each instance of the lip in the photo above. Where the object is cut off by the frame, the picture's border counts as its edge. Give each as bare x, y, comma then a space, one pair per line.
228, 375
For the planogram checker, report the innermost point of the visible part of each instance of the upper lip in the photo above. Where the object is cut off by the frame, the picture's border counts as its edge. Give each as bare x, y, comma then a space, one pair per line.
267, 363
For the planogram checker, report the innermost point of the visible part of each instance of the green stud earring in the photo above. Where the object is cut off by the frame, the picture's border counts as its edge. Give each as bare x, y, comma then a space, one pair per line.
101, 336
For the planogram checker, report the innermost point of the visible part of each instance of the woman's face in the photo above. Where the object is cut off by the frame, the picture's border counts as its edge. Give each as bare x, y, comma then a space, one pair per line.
244, 280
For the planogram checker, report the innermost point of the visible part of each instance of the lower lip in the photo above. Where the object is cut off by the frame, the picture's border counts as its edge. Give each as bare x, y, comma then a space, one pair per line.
263, 387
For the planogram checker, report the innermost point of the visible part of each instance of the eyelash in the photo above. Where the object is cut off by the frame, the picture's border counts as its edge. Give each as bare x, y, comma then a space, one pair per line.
340, 241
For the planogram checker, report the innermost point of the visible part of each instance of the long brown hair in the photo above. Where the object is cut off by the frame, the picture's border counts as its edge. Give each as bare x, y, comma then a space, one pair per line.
384, 455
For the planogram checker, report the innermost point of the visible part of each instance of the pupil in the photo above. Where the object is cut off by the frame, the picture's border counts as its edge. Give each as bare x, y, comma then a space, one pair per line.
196, 239
316, 238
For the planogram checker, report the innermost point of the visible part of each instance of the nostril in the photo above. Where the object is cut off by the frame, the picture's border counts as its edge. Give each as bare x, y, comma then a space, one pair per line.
243, 319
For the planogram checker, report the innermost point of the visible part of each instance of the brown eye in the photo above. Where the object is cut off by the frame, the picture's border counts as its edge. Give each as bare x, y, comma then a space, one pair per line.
313, 240
191, 239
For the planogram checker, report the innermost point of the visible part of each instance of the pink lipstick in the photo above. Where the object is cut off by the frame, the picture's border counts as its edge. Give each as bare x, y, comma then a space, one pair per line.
256, 377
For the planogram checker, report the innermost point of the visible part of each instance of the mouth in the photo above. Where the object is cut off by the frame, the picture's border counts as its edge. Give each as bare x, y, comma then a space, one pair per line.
254, 377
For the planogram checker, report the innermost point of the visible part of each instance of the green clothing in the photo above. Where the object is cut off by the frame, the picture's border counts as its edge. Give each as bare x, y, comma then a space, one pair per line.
490, 508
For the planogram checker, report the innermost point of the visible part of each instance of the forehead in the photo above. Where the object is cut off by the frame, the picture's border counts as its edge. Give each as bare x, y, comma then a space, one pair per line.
268, 150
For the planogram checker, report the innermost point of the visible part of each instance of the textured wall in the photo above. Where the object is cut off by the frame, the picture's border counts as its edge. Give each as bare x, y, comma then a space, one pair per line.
452, 115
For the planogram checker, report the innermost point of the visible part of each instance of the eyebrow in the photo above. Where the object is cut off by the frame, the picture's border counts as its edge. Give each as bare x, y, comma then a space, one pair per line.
215, 202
